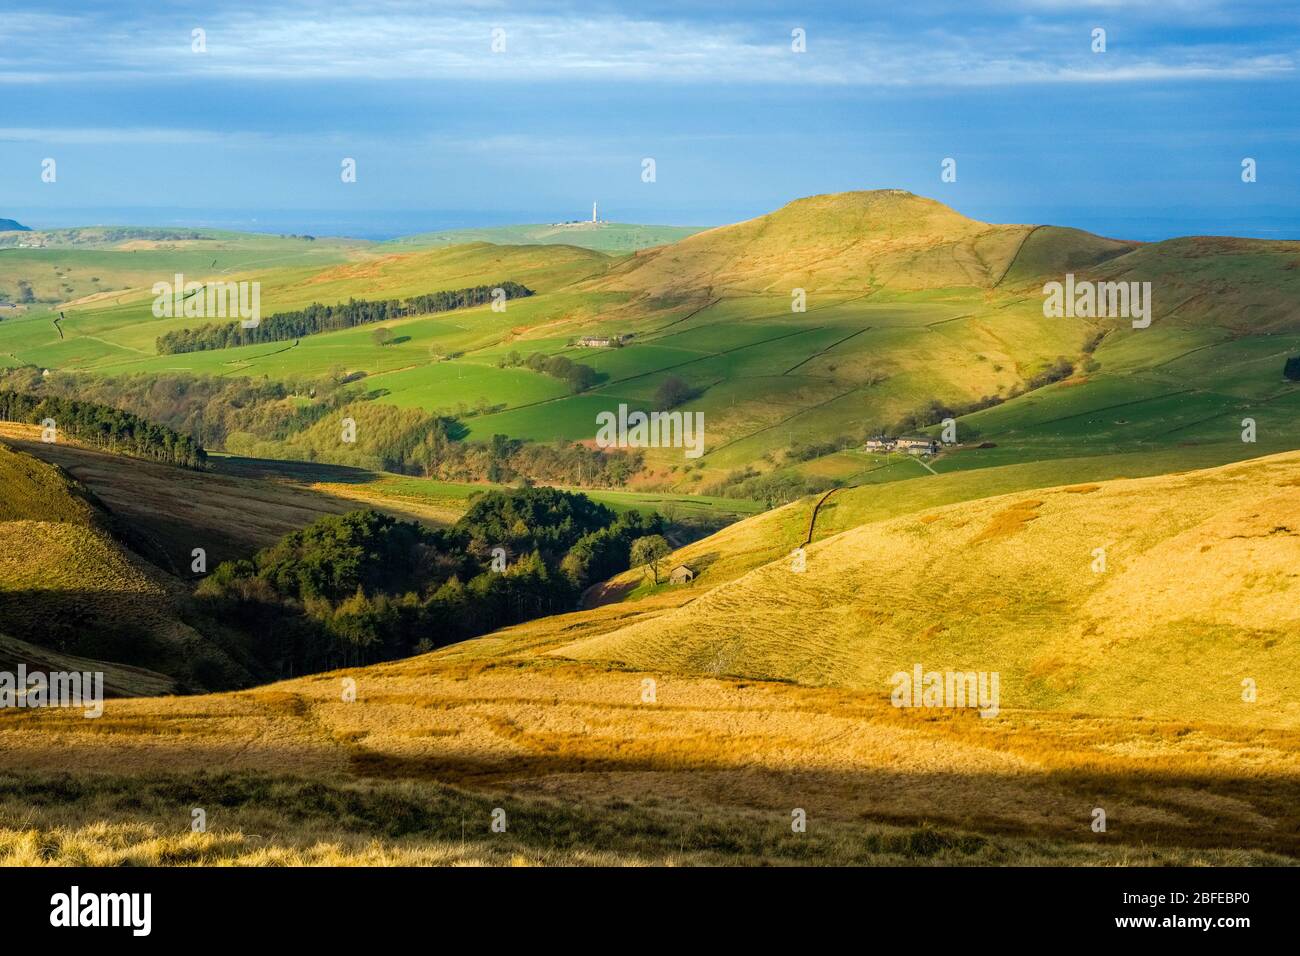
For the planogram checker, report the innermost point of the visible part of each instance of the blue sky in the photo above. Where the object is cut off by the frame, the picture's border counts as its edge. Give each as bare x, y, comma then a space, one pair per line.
1144, 140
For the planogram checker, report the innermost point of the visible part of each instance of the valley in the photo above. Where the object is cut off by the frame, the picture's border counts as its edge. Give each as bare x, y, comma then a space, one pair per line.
1114, 531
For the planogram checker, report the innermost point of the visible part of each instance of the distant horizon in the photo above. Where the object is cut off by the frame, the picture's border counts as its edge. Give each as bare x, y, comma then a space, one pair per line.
1138, 121
383, 225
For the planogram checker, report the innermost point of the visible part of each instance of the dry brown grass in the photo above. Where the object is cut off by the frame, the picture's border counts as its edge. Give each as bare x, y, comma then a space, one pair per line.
1201, 590
523, 727
1115, 694
1009, 522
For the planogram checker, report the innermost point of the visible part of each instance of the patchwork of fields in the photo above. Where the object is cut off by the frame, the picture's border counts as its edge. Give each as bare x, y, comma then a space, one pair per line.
889, 326
766, 378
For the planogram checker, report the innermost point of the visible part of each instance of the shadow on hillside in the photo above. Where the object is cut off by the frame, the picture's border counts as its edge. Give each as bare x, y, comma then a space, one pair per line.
108, 626
131, 629
300, 471
1147, 805
1147, 808
607, 592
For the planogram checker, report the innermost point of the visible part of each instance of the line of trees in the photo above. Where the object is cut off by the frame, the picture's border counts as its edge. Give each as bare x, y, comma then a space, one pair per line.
363, 587
104, 426
283, 326
579, 377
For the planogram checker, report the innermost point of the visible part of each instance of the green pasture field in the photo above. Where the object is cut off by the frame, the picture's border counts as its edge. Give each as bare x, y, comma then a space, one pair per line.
612, 237
766, 378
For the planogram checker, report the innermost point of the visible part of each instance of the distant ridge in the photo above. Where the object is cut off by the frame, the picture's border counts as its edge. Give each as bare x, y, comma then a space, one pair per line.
609, 237
13, 225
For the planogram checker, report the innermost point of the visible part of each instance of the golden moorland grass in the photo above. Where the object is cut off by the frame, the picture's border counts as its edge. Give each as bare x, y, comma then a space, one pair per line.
686, 726
1156, 597
588, 771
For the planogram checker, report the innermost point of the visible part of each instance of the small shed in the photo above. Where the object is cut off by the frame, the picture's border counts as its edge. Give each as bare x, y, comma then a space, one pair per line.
681, 574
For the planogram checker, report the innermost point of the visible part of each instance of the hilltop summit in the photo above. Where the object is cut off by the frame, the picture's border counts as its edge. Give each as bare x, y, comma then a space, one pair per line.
841, 242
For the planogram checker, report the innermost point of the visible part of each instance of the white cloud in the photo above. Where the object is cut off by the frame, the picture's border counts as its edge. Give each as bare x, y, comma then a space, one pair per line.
402, 42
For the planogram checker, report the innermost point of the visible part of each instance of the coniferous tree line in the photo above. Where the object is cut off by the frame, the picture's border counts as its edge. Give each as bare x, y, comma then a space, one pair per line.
105, 427
364, 587
283, 326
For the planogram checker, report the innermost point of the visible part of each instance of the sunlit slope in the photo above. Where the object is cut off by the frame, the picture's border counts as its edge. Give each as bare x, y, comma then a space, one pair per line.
741, 547
119, 331
1240, 286
32, 490
540, 267
1232, 286
106, 265
854, 241
68, 585
1199, 593
1049, 252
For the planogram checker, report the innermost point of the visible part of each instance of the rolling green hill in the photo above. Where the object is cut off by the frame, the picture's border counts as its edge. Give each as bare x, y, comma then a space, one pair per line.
680, 723
105, 266
837, 243
906, 309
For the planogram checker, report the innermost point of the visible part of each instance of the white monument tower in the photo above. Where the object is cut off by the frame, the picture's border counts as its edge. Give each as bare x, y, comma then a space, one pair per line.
593, 213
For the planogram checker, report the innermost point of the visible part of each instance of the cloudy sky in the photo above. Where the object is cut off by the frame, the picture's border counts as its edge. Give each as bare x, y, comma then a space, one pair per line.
1144, 140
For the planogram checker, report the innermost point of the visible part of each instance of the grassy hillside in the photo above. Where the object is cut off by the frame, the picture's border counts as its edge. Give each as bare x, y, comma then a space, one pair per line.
230, 511
1199, 592
118, 333
69, 587
908, 304
770, 692
611, 237
101, 264
120, 680
841, 242
587, 774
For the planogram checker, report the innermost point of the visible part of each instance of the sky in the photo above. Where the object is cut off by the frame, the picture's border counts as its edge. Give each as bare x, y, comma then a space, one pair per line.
479, 113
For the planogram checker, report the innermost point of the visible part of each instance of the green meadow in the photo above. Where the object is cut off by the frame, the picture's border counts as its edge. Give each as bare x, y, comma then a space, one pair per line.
873, 344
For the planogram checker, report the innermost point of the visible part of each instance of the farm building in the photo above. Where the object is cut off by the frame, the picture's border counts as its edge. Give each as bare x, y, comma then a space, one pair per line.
917, 445
681, 574
603, 341
909, 444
